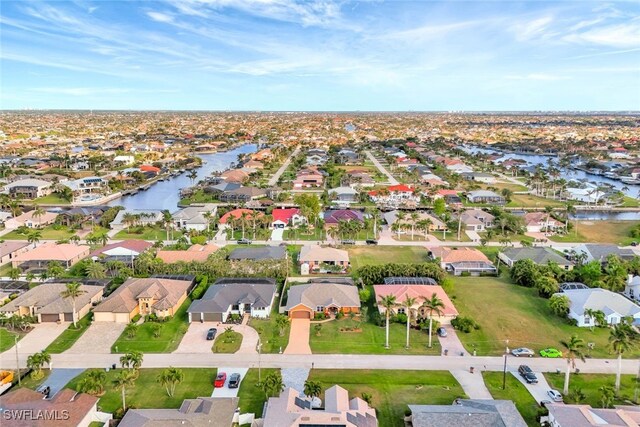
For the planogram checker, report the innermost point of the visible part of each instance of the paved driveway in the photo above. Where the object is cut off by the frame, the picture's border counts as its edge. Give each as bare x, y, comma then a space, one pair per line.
60, 378
195, 340
472, 384
226, 391
37, 340
98, 338
538, 391
451, 342
299, 337
277, 234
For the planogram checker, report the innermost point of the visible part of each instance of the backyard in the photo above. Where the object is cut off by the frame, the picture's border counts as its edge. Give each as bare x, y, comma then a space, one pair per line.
590, 385
392, 390
252, 398
70, 335
49, 232
515, 391
599, 232
371, 255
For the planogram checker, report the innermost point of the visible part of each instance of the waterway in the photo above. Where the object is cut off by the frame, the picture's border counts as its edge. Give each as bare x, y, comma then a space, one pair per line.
166, 194
603, 215
566, 173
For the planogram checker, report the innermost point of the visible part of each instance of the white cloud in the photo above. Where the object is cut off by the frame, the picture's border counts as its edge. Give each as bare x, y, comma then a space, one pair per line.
160, 17
537, 76
532, 29
625, 35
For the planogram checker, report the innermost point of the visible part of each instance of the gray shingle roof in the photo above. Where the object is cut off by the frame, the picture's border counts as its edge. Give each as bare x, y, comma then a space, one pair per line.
538, 255
47, 297
226, 292
600, 299
468, 413
323, 294
258, 253
200, 412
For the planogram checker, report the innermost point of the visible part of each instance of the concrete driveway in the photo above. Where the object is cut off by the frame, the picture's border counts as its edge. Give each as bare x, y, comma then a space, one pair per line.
226, 391
277, 234
451, 342
299, 337
472, 384
98, 338
37, 340
195, 340
60, 378
538, 391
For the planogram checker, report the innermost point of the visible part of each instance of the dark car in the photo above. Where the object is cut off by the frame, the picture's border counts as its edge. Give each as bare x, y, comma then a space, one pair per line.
634, 243
234, 380
211, 334
348, 242
371, 242
442, 332
527, 374
45, 390
244, 242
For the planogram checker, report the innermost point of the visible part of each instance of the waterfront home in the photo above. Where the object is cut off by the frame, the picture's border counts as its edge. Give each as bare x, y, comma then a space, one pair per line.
343, 195
9, 249
195, 253
284, 217
632, 288
315, 258
125, 251
485, 196
304, 301
462, 261
539, 255
82, 214
29, 189
537, 222
477, 220
141, 217
242, 194
235, 175
200, 411
333, 217
614, 306
32, 220
37, 259
195, 217
599, 252
84, 188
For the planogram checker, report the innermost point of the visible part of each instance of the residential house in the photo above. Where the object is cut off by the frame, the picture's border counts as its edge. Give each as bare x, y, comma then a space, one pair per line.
477, 220
360, 179
614, 306
632, 288
600, 252
395, 195
124, 160
319, 259
538, 222
84, 188
195, 253
435, 224
316, 160
159, 296
125, 251
31, 220
198, 412
46, 303
465, 260
307, 178
81, 215
227, 296
37, 259
485, 178
458, 167
264, 154
561, 415
221, 188
586, 193
66, 408
467, 412
348, 157
343, 195
242, 194
333, 217
29, 188
259, 253
195, 217
485, 196
237, 214
235, 175
142, 217
254, 164
539, 255
9, 249
284, 217
420, 292
304, 301
291, 410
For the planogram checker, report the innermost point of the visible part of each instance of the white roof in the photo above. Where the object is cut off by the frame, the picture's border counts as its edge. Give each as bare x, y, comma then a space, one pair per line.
600, 299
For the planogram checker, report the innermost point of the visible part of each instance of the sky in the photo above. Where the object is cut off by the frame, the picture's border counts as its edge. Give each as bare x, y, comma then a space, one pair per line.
320, 56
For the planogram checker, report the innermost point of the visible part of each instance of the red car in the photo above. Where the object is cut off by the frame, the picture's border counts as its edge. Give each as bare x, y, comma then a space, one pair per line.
221, 378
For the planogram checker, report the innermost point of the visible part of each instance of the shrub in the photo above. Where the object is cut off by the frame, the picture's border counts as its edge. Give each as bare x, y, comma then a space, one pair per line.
339, 315
465, 274
400, 318
319, 316
136, 318
198, 240
464, 324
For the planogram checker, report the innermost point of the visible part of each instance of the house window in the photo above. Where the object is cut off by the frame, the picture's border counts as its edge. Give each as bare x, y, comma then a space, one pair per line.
235, 307
587, 320
320, 308
401, 311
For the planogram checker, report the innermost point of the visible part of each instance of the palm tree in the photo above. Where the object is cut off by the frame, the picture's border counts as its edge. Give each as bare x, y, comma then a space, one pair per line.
93, 382
132, 360
281, 322
243, 221
407, 304
433, 305
34, 237
36, 361
192, 176
389, 304
129, 219
14, 273
38, 213
125, 379
167, 221
74, 290
170, 378
95, 270
272, 384
131, 330
573, 349
414, 219
606, 395
312, 388
621, 339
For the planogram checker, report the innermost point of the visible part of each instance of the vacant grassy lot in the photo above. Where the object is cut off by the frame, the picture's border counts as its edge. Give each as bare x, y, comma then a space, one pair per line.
526, 404
51, 199
251, 396
370, 340
616, 232
371, 255
46, 233
508, 185
227, 342
508, 312
591, 383
392, 390
317, 233
531, 201
148, 233
148, 393
144, 341
66, 339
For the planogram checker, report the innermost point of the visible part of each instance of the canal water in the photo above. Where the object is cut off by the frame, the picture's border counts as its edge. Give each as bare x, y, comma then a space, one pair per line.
568, 174
166, 194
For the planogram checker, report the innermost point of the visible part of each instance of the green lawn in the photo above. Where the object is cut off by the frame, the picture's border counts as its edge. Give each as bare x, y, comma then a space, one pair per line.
69, 336
227, 342
371, 340
252, 398
144, 341
269, 333
46, 233
148, 393
371, 255
148, 233
7, 339
616, 232
590, 384
199, 197
393, 390
315, 234
5, 269
531, 201
509, 312
51, 199
515, 391
502, 185
630, 202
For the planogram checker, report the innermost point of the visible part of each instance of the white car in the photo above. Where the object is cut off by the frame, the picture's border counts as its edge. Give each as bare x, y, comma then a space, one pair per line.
522, 351
555, 395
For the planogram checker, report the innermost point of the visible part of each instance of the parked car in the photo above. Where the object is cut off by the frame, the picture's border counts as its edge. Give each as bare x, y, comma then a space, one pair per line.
551, 352
245, 241
348, 242
234, 380
45, 390
555, 395
522, 351
527, 374
371, 242
634, 243
442, 332
221, 378
211, 334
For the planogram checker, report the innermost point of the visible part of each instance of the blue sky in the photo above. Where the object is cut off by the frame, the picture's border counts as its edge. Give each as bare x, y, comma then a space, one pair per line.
327, 55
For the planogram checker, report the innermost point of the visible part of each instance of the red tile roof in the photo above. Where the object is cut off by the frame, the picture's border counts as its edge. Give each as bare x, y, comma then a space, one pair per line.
133, 245
237, 213
284, 215
401, 188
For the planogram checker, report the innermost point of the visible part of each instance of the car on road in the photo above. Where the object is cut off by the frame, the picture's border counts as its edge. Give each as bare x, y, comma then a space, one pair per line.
442, 332
244, 241
527, 374
348, 242
371, 242
211, 334
551, 352
234, 380
554, 395
221, 378
522, 351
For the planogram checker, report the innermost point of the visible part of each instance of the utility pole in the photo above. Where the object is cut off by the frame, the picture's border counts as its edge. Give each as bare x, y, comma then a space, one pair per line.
17, 361
504, 371
259, 366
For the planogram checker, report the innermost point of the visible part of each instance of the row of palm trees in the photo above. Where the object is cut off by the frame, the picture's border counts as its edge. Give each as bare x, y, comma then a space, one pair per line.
411, 222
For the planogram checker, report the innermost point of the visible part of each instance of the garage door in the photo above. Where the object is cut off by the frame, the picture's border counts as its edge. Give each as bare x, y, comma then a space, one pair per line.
300, 314
49, 317
68, 317
213, 317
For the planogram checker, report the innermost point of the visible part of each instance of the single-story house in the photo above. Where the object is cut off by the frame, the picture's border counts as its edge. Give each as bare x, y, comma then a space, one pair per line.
201, 411
9, 249
333, 217
45, 302
360, 179
599, 252
237, 214
282, 218
124, 160
395, 195
539, 255
343, 195
82, 214
37, 259
235, 175
303, 301
632, 288
308, 178
477, 220
30, 220
252, 296
420, 293
463, 260
30, 188
537, 222
467, 412
142, 217
561, 415
160, 296
125, 251
195, 217
259, 253
314, 258
614, 306
485, 196
435, 223
195, 253
484, 177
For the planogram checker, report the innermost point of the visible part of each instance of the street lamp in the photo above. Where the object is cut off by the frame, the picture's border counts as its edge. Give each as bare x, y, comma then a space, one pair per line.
504, 371
17, 362
259, 354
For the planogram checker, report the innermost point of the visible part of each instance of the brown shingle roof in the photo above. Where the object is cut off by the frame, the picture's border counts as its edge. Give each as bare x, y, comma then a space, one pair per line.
125, 298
